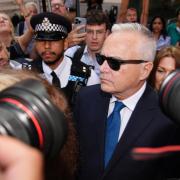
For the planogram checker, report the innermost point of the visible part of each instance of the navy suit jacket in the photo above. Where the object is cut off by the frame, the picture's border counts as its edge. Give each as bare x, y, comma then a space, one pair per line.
147, 127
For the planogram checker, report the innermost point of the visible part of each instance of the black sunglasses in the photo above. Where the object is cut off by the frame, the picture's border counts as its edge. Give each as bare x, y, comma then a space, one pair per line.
115, 63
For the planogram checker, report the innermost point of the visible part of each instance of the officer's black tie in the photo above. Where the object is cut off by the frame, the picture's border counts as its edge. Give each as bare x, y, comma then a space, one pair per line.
55, 80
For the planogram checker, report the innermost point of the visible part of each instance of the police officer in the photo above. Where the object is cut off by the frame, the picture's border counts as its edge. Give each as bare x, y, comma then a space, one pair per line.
50, 33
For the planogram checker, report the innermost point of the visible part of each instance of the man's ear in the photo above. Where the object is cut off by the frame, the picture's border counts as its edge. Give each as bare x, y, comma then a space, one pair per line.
147, 68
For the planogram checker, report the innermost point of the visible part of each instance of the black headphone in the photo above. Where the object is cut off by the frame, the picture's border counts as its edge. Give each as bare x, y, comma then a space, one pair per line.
28, 114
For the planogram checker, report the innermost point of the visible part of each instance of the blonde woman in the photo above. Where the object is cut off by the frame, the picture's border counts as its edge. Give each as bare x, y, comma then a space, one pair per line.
15, 45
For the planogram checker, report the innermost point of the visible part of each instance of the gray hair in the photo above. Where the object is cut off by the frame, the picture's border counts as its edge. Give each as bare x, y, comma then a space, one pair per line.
29, 4
148, 48
60, 1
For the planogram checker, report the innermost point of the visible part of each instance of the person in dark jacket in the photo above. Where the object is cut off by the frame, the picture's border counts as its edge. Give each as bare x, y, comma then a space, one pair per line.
123, 112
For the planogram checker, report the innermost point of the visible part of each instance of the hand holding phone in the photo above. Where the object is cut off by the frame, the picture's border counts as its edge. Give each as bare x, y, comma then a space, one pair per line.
79, 21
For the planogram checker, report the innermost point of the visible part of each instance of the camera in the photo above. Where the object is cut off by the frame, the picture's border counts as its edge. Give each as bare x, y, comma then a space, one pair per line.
28, 114
80, 20
170, 96
77, 21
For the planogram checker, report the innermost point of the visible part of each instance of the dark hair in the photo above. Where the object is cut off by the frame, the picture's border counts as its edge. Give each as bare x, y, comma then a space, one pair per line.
163, 31
97, 17
132, 9
94, 5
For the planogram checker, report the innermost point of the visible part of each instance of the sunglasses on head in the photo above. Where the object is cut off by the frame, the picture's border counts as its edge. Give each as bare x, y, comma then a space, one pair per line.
115, 63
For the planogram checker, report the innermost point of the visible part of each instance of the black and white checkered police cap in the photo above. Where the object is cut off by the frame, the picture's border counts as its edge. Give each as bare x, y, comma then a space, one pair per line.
50, 26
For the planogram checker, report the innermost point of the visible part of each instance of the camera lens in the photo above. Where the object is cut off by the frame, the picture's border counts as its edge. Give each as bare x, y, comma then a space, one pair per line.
28, 114
170, 95
77, 21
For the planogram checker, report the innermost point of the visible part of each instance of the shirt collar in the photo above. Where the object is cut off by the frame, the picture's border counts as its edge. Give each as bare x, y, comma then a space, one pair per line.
131, 101
59, 69
86, 51
161, 37
62, 71
89, 60
87, 54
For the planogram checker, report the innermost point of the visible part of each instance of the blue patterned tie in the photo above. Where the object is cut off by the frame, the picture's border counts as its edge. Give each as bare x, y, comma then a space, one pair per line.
112, 131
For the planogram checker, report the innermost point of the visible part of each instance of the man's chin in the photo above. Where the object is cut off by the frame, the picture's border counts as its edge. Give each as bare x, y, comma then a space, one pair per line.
54, 60
49, 62
95, 49
105, 88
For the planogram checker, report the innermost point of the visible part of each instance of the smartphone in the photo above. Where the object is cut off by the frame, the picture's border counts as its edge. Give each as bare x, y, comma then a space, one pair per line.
80, 21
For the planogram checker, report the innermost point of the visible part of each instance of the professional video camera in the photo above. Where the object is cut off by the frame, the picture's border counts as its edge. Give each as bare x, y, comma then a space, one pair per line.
28, 114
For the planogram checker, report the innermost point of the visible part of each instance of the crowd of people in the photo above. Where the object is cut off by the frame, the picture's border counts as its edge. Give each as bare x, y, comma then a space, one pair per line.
104, 80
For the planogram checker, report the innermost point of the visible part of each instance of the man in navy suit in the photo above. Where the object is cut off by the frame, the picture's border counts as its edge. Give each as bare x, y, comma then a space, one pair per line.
126, 61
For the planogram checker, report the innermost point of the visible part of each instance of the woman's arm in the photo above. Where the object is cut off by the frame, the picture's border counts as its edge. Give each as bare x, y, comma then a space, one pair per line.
22, 8
122, 11
26, 38
145, 12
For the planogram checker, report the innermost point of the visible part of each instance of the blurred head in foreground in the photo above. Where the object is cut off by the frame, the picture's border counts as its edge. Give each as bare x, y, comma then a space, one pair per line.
63, 166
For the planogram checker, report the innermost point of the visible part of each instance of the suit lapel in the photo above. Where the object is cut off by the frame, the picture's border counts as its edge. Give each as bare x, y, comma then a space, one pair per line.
100, 123
139, 120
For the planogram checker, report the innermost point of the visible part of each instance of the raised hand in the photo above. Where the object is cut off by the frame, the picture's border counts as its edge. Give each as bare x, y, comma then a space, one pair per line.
75, 37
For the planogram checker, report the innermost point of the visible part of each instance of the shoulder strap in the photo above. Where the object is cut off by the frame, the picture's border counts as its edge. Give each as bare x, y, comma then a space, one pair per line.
80, 72
37, 65
80, 69
16, 51
78, 54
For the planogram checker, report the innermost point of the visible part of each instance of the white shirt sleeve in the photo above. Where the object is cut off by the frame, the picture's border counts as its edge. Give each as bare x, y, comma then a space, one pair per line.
70, 51
15, 65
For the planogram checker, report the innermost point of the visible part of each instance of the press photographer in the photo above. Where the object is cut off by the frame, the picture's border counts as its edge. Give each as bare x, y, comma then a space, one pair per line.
36, 113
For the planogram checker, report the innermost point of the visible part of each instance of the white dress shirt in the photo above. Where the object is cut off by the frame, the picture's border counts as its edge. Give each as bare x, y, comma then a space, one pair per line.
63, 72
130, 104
163, 42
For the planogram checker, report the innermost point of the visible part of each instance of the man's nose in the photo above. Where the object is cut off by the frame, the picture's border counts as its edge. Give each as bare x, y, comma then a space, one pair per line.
104, 67
47, 44
94, 34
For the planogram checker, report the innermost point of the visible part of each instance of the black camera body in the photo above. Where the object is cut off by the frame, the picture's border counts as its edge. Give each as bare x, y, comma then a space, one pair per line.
28, 114
170, 96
